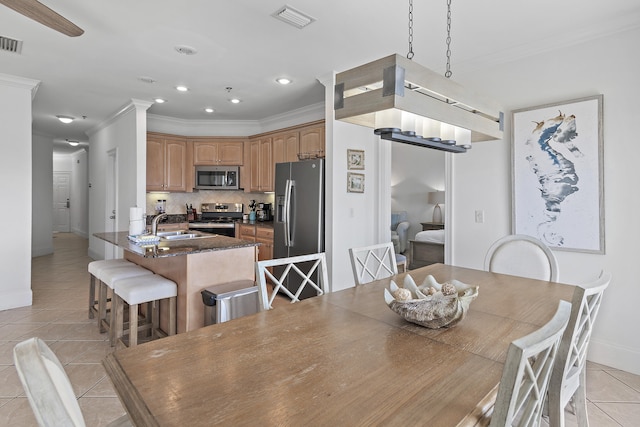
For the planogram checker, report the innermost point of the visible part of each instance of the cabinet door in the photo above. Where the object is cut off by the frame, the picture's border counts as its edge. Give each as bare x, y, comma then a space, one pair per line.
205, 153
175, 161
266, 165
312, 140
292, 146
155, 164
231, 153
254, 182
264, 236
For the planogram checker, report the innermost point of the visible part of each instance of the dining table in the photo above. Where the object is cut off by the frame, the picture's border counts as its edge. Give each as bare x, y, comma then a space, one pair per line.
342, 358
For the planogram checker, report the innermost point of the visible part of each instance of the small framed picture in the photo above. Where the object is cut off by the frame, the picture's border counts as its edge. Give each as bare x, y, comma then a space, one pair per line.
355, 159
355, 182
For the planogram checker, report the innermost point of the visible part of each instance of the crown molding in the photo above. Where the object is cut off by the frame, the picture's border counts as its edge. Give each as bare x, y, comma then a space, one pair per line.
20, 82
134, 104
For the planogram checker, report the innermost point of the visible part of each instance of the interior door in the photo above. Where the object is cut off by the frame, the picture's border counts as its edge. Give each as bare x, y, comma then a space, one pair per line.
61, 202
111, 251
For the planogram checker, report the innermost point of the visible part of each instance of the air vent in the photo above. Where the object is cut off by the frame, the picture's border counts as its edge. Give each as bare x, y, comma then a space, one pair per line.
10, 45
293, 17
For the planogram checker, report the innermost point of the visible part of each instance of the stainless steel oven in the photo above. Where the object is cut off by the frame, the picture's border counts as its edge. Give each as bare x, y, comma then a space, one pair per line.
218, 218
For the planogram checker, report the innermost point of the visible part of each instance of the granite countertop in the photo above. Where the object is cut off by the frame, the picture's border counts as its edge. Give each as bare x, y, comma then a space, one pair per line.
167, 248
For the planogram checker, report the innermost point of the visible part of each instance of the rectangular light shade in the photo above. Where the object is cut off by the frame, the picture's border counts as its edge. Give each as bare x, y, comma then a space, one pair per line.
436, 197
395, 91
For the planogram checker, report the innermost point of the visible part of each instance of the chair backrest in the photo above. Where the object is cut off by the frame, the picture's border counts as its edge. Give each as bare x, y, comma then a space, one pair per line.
46, 384
521, 255
295, 272
373, 262
572, 355
397, 217
526, 373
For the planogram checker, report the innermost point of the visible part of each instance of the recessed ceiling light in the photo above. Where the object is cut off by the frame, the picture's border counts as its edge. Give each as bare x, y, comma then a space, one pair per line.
160, 100
186, 50
234, 101
283, 80
182, 88
209, 110
72, 142
66, 119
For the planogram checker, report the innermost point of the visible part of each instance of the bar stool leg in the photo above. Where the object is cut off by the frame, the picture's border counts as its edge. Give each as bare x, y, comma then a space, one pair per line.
102, 305
133, 325
117, 316
172, 315
92, 296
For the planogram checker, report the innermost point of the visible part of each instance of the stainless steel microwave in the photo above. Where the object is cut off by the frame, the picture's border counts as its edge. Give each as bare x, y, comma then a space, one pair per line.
217, 177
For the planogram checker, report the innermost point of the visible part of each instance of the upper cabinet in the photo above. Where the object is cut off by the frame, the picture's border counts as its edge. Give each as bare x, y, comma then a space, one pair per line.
286, 146
261, 164
312, 141
213, 152
167, 167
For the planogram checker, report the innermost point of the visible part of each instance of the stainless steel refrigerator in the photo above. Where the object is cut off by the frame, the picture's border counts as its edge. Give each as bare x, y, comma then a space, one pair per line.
299, 212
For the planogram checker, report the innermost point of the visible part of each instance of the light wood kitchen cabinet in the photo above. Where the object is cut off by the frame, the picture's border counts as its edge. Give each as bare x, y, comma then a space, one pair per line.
312, 141
286, 146
259, 234
261, 165
218, 152
166, 163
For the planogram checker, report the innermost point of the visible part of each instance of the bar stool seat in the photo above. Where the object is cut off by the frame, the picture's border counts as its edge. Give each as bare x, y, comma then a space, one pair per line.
108, 278
140, 290
94, 268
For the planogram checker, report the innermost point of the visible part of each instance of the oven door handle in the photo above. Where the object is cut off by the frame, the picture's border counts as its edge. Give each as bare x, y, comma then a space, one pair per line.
287, 213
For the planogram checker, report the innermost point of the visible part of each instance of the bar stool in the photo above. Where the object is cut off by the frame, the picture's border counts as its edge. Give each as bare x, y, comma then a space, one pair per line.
149, 289
95, 267
108, 278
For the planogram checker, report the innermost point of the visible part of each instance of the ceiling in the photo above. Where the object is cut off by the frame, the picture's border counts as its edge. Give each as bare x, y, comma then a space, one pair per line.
241, 46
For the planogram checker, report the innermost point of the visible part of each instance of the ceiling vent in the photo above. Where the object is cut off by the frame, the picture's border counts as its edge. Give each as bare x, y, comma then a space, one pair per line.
10, 45
292, 16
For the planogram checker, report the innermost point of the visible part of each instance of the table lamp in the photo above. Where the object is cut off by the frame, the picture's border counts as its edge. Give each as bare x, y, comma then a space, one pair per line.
435, 198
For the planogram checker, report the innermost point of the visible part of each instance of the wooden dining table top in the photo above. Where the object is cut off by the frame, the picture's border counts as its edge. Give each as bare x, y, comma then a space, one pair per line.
343, 358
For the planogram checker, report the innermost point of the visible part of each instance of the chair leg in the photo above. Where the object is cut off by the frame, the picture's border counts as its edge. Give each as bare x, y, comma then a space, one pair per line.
155, 318
102, 305
92, 296
133, 325
580, 401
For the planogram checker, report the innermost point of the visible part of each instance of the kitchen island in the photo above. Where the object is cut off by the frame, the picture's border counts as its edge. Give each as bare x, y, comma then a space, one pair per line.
193, 264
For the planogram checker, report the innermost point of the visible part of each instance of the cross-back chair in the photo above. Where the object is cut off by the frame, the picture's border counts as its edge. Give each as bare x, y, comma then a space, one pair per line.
373, 262
568, 380
48, 388
291, 276
521, 255
526, 373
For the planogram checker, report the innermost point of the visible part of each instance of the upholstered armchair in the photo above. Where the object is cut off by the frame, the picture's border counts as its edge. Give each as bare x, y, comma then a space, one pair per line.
399, 231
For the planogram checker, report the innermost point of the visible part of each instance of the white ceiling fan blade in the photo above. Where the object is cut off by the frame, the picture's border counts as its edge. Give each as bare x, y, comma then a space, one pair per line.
39, 12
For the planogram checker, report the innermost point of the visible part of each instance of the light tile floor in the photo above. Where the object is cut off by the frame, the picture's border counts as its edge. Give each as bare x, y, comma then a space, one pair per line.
59, 316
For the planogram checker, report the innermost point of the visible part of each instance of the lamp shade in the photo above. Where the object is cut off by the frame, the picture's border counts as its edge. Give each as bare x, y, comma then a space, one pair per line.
436, 197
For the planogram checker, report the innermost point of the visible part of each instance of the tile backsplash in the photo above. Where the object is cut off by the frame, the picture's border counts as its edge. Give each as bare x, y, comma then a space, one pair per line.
176, 201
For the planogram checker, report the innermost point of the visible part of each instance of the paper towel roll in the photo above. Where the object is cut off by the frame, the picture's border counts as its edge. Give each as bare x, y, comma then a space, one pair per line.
136, 221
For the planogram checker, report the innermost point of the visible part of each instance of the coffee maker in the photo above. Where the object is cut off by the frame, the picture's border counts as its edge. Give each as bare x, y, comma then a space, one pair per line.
264, 212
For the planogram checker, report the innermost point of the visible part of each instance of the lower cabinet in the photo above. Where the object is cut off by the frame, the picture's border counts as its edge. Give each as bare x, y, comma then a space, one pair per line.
259, 234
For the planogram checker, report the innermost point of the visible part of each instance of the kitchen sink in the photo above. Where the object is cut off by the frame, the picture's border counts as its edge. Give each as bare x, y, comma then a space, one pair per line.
181, 235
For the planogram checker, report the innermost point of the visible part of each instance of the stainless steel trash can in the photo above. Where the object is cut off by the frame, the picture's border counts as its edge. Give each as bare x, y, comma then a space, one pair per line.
227, 301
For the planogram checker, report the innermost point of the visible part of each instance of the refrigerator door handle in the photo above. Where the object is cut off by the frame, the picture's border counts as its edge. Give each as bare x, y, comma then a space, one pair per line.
287, 213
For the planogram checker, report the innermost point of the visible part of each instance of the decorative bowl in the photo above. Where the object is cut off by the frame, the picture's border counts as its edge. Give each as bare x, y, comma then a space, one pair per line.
433, 305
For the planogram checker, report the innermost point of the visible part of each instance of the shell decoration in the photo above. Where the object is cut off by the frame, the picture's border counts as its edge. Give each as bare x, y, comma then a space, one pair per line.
432, 304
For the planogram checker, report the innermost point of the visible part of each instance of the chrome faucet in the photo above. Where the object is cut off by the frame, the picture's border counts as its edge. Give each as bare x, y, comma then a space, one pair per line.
155, 221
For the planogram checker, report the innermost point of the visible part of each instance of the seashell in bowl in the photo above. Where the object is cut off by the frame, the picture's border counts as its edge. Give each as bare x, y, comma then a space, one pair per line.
432, 304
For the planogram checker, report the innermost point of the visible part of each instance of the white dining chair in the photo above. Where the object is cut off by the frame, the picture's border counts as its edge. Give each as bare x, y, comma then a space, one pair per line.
48, 388
526, 373
373, 262
524, 256
568, 379
298, 271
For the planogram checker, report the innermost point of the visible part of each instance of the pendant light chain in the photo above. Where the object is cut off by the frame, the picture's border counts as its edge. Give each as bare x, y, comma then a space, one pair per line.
410, 53
448, 73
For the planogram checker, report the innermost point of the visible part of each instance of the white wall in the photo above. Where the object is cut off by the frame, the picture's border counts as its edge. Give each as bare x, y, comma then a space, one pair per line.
605, 66
415, 172
16, 189
125, 132
79, 212
42, 196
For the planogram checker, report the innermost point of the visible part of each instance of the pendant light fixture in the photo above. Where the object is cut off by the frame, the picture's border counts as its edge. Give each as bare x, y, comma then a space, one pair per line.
406, 102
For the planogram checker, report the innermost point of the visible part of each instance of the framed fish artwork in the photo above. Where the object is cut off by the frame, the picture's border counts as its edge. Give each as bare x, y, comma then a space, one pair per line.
557, 174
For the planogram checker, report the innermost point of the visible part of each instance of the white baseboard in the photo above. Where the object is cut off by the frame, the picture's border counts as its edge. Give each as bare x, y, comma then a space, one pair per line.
15, 299
615, 356
81, 233
44, 250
